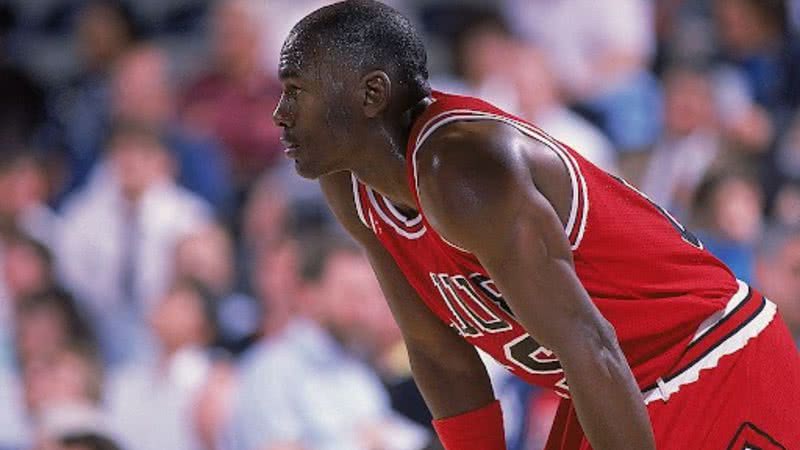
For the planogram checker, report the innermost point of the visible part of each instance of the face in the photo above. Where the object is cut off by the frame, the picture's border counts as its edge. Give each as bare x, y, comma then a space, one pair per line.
25, 271
179, 319
740, 219
316, 112
351, 304
688, 103
138, 164
780, 277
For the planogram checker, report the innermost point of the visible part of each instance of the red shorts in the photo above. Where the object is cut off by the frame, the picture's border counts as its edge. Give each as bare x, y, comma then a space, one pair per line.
749, 400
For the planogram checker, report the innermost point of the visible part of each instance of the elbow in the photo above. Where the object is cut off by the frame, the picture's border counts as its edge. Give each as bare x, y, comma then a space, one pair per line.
596, 343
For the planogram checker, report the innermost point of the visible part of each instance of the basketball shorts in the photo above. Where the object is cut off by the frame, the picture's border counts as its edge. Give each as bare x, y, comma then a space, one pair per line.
749, 401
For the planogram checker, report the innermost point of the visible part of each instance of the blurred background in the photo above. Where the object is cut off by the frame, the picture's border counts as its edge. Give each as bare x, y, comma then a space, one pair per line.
167, 282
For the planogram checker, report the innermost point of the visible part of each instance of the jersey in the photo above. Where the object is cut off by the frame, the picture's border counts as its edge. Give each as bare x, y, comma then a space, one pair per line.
675, 308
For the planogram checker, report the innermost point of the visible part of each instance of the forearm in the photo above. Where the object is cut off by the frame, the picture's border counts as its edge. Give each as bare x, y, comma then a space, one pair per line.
606, 398
451, 387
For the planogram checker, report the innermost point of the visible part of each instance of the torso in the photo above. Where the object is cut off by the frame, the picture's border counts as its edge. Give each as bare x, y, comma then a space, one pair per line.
651, 280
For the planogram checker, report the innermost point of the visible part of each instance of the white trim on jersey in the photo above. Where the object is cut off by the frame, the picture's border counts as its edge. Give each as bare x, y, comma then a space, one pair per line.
569, 161
397, 228
735, 301
357, 201
732, 344
402, 218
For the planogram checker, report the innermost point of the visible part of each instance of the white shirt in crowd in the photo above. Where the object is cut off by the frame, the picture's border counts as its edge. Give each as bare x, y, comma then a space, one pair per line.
301, 387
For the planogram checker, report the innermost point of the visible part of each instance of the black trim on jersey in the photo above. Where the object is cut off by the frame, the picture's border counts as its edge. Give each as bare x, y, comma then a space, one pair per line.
756, 430
712, 348
724, 319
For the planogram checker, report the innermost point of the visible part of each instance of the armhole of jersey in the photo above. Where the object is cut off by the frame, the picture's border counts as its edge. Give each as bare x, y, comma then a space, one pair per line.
357, 201
579, 208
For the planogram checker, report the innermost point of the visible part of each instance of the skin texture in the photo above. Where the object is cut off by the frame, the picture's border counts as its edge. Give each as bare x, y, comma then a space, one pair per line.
503, 180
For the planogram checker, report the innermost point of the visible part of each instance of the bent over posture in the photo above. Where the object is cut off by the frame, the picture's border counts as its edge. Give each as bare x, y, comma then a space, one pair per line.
484, 231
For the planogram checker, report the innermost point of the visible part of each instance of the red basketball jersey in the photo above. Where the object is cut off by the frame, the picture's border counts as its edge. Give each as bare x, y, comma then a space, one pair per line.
667, 298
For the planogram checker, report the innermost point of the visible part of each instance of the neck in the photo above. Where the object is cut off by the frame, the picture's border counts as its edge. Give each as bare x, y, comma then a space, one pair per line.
383, 166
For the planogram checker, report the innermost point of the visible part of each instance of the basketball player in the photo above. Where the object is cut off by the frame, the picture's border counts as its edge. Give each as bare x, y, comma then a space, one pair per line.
484, 231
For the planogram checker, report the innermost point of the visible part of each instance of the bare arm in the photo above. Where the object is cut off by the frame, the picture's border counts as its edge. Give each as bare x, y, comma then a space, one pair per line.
447, 369
477, 189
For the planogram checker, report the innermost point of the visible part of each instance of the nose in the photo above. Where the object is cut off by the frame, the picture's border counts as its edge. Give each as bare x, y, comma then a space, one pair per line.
281, 116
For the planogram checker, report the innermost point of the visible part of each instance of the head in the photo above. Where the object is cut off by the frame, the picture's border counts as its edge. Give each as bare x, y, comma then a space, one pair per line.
23, 182
689, 101
138, 158
207, 255
27, 266
342, 293
275, 279
786, 206
185, 316
105, 29
142, 88
71, 376
482, 46
236, 27
748, 26
47, 322
350, 72
778, 272
730, 203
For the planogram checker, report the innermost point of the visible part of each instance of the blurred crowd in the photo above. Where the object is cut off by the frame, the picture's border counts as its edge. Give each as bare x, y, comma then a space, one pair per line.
167, 282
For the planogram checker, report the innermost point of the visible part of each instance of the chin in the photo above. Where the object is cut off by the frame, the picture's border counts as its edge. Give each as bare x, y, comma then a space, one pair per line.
305, 171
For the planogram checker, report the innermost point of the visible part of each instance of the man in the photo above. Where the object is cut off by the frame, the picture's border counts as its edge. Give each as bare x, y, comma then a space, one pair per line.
567, 276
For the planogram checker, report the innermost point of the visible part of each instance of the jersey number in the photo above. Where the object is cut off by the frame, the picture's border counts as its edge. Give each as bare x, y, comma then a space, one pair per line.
465, 298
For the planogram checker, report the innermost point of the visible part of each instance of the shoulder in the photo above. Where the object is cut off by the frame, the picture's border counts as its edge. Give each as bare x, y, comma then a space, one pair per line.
466, 161
470, 171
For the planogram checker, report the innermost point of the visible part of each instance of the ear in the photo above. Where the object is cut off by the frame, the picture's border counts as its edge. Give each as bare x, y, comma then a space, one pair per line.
377, 88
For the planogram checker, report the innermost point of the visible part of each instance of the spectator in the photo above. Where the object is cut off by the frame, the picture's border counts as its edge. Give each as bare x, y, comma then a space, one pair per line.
47, 322
26, 271
727, 209
347, 300
105, 31
299, 388
786, 208
142, 92
151, 404
540, 101
756, 39
141, 213
517, 76
235, 99
63, 394
690, 142
26, 189
602, 61
778, 273
207, 256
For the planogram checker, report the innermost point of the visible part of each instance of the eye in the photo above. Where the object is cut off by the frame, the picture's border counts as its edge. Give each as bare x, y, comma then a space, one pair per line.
291, 90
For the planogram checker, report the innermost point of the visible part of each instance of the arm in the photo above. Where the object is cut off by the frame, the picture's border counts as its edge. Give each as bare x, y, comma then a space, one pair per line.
477, 181
447, 369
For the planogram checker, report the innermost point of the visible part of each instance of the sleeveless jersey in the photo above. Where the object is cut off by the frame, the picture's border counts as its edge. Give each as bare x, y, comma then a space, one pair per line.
675, 308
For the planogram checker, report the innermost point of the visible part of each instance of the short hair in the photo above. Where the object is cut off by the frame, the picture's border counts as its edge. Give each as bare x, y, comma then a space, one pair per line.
366, 35
209, 302
317, 249
64, 304
89, 440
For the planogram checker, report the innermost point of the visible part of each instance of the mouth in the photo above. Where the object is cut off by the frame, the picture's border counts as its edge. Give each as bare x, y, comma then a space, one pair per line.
291, 148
